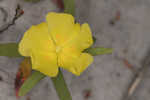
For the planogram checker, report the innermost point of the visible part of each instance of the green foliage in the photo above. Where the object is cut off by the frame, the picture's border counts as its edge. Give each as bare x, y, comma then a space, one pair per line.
31, 82
98, 51
61, 87
9, 50
59, 84
32, 0
69, 7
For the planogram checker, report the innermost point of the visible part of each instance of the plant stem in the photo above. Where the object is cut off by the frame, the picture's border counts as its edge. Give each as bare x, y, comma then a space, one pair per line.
69, 7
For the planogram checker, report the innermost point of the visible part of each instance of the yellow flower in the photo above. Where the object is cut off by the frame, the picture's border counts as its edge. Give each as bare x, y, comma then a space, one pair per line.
58, 42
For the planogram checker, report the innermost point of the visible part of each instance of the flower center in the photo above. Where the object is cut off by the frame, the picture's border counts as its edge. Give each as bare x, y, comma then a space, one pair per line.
58, 48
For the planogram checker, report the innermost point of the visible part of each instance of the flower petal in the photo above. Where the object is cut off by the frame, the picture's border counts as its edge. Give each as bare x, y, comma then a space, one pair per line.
37, 38
81, 41
46, 63
75, 64
60, 26
70, 56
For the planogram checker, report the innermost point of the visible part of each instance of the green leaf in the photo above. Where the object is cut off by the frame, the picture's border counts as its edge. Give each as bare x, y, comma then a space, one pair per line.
61, 87
30, 82
9, 49
69, 7
32, 0
59, 84
98, 51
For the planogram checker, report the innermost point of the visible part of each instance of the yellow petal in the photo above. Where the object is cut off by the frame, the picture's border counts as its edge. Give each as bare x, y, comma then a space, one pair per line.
75, 64
70, 56
46, 63
81, 41
60, 26
36, 38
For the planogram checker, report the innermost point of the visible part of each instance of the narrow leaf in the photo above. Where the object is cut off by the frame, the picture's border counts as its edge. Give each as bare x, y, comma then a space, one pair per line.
98, 51
69, 7
9, 49
30, 82
61, 87
32, 0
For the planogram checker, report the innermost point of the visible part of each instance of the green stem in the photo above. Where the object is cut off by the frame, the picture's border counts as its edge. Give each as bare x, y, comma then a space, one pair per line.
61, 87
69, 7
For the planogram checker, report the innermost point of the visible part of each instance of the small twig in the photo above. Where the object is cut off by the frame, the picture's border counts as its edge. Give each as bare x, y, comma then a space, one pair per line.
136, 79
18, 13
115, 18
129, 65
133, 85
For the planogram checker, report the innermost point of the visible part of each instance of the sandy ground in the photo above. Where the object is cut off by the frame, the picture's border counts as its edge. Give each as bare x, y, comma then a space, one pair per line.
108, 77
